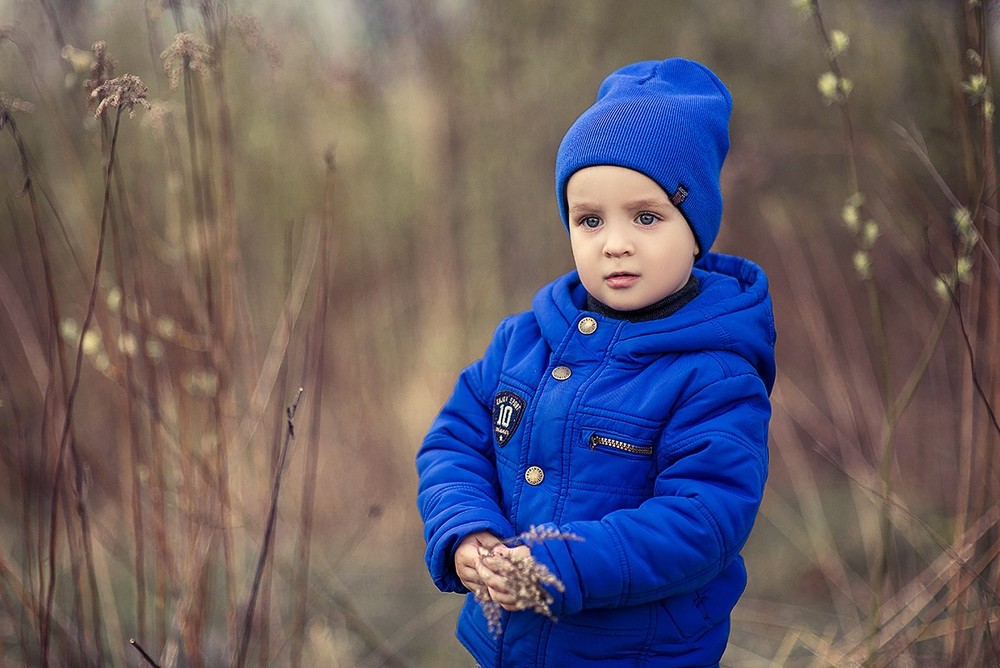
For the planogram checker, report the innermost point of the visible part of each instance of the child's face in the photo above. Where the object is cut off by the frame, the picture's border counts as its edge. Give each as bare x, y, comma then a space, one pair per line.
632, 247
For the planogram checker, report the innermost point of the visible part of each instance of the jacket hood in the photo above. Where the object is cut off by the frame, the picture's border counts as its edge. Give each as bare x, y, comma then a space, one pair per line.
732, 313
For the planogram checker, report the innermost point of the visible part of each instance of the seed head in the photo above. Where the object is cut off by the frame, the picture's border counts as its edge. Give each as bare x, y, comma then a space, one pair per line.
827, 85
963, 269
248, 27
976, 85
863, 264
100, 66
805, 5
114, 299
944, 284
127, 344
103, 66
161, 117
869, 234
125, 91
839, 41
851, 217
91, 343
834, 88
186, 51
964, 227
154, 349
69, 330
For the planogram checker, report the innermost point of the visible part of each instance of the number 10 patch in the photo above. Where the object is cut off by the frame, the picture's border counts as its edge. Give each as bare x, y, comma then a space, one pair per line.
507, 411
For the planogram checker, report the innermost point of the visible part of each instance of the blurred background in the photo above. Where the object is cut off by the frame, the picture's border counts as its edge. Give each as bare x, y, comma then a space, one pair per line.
231, 307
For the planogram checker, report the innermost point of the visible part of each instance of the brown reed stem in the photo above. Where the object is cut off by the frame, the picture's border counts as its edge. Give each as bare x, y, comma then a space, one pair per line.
264, 639
882, 569
131, 422
232, 297
979, 321
50, 13
216, 357
81, 494
239, 658
53, 341
71, 398
27, 534
165, 568
318, 356
28, 189
146, 657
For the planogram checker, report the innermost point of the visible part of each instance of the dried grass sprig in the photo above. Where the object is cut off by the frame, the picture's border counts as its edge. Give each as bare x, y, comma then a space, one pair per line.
102, 69
536, 534
247, 26
526, 576
124, 92
186, 52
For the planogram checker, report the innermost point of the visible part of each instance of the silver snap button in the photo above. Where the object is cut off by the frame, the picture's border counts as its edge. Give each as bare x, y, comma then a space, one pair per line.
534, 475
561, 373
587, 326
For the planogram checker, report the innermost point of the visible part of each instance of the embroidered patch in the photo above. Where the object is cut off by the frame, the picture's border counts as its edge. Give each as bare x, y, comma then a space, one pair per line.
507, 411
679, 195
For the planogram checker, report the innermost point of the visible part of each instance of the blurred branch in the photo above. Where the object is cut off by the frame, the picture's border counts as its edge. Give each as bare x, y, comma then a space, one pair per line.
266, 543
281, 337
317, 362
915, 143
146, 657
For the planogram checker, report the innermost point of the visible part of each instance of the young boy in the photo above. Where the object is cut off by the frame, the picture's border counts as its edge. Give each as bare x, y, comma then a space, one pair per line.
629, 407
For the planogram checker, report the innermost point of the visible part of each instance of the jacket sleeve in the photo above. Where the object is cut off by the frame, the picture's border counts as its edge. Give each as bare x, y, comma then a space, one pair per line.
713, 465
458, 489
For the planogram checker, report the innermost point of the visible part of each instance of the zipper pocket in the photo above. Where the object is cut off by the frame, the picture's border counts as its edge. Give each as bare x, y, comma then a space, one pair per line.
596, 440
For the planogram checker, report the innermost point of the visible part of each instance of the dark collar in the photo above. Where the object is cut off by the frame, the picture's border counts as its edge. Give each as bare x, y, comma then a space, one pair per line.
661, 309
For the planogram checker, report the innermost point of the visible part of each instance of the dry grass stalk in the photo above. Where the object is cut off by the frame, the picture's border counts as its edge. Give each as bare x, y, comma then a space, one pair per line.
9, 105
124, 92
528, 577
243, 642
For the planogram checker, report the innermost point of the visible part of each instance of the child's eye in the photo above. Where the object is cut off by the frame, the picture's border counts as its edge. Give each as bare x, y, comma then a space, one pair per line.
590, 222
646, 218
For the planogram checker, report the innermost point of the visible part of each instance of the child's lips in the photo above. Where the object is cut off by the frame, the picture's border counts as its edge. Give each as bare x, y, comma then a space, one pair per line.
621, 279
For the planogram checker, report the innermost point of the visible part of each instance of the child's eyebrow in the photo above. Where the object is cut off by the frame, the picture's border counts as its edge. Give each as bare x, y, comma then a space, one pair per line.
647, 203
644, 203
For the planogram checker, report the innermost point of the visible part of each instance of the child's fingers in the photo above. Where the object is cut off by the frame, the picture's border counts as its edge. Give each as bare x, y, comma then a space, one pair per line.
507, 600
495, 581
469, 576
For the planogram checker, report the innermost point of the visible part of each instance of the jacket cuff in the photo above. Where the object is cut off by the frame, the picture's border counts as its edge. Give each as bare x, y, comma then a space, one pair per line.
556, 556
440, 556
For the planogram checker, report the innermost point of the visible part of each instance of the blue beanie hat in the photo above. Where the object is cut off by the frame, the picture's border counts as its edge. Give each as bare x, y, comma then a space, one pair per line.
668, 120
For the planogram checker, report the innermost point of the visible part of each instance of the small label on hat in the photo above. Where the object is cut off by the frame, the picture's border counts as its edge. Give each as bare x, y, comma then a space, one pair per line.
679, 195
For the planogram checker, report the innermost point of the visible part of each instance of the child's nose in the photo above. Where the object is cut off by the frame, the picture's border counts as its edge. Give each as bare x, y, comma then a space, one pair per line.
617, 241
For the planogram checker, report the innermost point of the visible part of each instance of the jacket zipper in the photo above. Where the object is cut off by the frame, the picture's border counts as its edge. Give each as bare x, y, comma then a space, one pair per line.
596, 440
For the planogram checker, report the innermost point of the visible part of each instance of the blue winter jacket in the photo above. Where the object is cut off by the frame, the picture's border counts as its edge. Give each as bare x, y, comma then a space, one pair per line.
647, 440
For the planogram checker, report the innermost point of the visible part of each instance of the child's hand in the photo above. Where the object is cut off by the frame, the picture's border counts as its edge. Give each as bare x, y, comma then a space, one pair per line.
468, 557
509, 595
